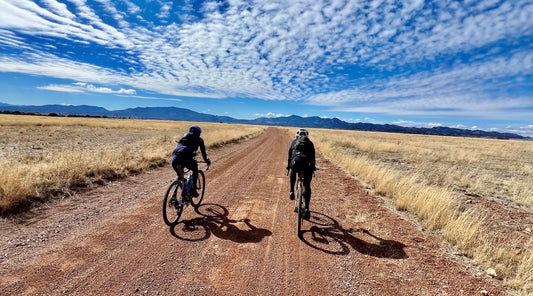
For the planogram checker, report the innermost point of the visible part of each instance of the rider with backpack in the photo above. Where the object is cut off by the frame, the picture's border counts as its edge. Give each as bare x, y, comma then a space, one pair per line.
302, 158
183, 154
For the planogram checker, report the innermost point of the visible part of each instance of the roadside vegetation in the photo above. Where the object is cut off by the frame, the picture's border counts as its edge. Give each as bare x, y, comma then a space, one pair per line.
443, 180
44, 157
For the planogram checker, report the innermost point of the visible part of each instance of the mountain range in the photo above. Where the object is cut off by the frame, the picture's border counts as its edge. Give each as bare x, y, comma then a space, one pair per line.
181, 114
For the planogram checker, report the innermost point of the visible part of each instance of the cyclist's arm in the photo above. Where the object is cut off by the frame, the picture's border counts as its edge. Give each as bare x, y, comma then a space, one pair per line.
290, 154
202, 148
312, 156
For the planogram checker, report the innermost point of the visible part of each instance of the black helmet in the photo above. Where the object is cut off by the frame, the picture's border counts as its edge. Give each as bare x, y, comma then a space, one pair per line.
195, 130
302, 132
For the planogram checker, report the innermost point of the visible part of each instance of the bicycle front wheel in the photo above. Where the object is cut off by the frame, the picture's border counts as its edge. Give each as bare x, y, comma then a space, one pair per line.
200, 187
171, 207
300, 209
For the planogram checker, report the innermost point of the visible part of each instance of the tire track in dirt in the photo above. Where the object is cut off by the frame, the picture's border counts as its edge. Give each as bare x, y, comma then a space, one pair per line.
240, 241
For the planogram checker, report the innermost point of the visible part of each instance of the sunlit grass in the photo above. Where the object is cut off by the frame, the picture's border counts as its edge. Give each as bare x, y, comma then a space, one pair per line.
424, 175
42, 157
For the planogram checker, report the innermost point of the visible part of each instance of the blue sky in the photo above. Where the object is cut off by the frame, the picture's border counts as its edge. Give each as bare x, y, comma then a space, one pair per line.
466, 64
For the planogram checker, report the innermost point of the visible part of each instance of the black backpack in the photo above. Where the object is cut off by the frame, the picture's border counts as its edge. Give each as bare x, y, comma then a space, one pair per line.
187, 139
302, 145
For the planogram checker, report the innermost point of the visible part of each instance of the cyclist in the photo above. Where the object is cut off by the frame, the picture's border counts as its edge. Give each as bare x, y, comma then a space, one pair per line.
302, 158
183, 154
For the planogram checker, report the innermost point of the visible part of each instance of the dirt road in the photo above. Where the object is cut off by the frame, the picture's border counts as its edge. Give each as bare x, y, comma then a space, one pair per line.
241, 241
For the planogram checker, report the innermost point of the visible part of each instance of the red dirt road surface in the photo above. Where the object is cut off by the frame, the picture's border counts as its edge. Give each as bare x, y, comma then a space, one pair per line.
241, 241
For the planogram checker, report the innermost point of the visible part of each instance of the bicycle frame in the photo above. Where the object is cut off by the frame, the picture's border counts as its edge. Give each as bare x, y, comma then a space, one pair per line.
174, 204
181, 179
298, 201
181, 182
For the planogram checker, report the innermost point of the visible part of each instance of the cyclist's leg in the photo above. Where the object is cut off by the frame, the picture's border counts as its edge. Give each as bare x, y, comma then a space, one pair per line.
293, 180
176, 163
296, 165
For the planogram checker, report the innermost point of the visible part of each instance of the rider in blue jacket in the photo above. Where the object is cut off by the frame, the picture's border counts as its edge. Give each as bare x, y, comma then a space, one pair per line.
183, 154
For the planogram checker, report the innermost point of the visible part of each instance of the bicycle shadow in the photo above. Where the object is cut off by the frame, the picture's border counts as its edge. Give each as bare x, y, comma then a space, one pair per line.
214, 221
328, 236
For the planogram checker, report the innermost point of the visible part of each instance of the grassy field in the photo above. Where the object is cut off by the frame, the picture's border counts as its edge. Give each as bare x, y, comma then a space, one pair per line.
432, 176
44, 157
429, 176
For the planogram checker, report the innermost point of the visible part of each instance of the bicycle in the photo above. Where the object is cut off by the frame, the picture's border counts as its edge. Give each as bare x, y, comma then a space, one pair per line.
179, 194
299, 200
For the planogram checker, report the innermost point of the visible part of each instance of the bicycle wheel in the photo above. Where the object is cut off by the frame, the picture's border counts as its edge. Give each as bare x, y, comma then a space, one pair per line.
299, 193
200, 187
171, 208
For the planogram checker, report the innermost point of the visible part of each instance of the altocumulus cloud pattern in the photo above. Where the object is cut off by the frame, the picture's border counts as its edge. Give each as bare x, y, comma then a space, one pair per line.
440, 58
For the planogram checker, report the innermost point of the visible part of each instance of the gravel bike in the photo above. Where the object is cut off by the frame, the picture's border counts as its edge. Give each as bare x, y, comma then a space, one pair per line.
299, 201
179, 194
299, 206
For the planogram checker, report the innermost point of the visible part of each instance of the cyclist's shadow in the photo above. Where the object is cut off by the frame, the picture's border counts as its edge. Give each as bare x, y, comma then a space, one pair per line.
327, 235
214, 221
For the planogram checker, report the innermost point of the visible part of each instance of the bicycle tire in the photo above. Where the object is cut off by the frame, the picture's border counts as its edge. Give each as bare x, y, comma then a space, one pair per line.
300, 209
200, 187
171, 209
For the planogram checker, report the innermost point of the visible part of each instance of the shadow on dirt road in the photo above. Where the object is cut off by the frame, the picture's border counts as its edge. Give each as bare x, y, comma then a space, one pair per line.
214, 221
327, 235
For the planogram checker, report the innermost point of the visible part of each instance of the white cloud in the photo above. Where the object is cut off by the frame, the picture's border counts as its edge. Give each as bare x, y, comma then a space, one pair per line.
61, 88
270, 114
9, 39
465, 90
79, 87
151, 98
107, 90
353, 120
526, 131
58, 9
132, 7
410, 123
82, 87
49, 65
165, 10
286, 50
456, 107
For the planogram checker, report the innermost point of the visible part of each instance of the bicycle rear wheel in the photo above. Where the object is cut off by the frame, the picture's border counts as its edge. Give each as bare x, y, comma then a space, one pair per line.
171, 207
200, 187
300, 207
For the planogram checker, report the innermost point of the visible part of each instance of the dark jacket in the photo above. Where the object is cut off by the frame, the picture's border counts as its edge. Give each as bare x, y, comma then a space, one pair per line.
308, 153
188, 145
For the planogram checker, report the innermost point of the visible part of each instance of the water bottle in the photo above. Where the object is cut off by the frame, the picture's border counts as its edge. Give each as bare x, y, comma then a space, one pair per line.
188, 184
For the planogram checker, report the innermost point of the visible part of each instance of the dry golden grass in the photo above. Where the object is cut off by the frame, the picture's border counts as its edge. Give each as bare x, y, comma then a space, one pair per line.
41, 156
425, 174
496, 169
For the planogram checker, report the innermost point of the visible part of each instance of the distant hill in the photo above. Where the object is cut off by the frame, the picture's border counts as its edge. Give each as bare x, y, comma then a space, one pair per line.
335, 123
59, 109
181, 114
168, 113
